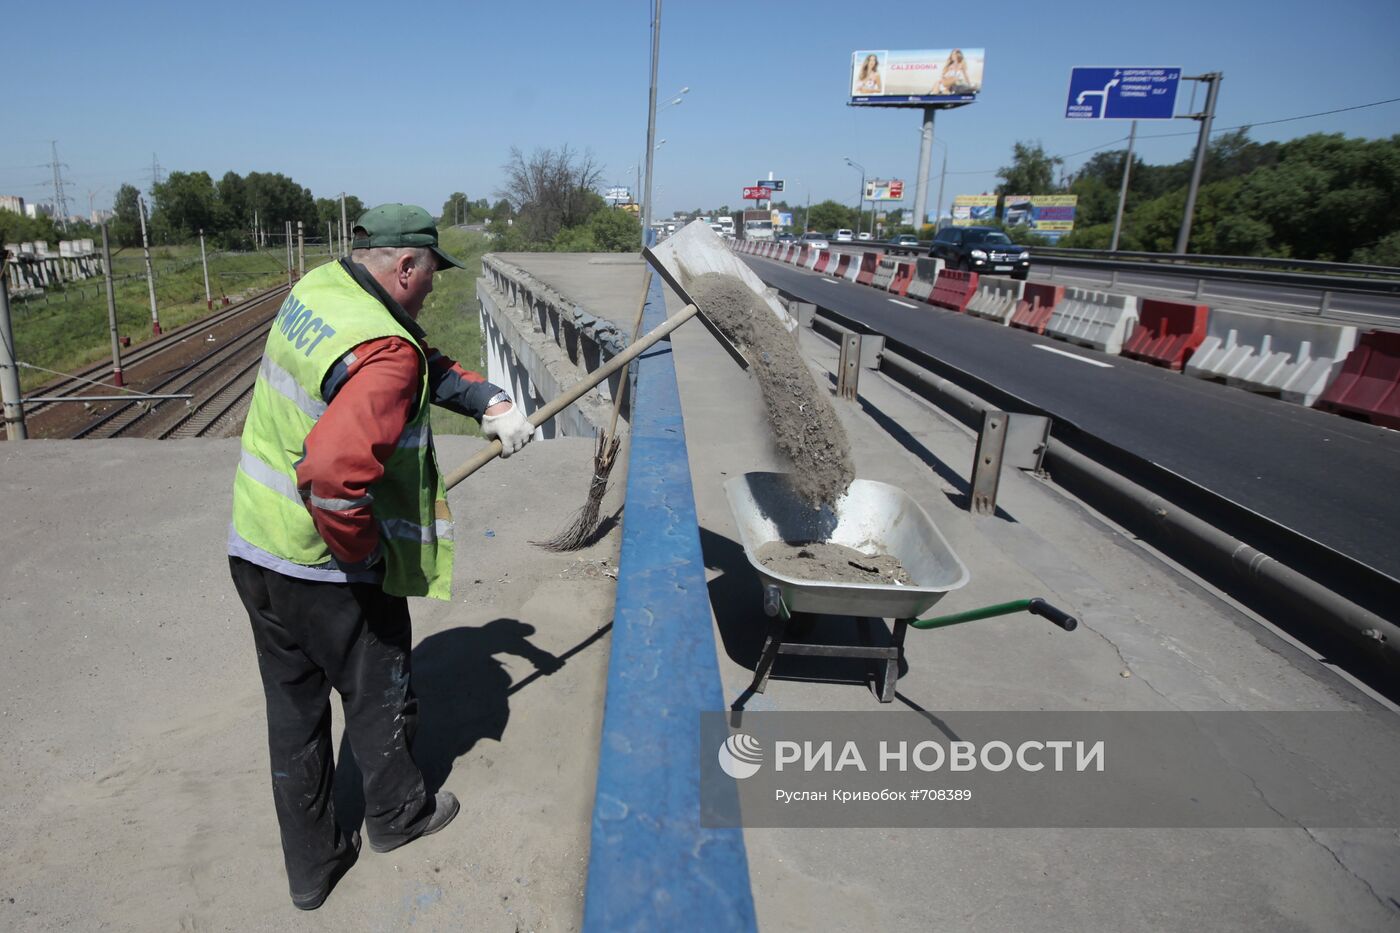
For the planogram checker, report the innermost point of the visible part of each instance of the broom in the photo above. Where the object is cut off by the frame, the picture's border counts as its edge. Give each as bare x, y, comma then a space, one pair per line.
580, 531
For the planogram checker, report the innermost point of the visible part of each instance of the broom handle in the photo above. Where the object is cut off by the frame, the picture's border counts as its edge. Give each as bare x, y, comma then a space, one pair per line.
576, 391
636, 329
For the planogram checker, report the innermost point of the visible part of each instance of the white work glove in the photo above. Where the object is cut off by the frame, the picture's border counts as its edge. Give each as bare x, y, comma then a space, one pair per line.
510, 427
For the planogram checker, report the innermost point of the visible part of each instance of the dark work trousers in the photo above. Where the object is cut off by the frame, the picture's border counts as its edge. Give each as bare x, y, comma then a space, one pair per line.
310, 637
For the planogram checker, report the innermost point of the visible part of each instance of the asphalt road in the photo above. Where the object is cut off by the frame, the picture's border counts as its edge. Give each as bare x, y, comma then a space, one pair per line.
1329, 478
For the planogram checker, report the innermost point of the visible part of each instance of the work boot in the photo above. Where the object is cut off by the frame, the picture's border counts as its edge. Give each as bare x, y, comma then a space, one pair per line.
318, 897
445, 807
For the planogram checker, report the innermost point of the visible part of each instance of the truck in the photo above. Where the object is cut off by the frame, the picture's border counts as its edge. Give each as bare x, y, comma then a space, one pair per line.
726, 224
758, 225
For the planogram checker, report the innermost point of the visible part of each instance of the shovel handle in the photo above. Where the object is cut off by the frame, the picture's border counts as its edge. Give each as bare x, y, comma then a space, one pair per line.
577, 391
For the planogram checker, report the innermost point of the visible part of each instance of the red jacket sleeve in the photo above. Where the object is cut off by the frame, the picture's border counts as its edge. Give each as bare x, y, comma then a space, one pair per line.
348, 447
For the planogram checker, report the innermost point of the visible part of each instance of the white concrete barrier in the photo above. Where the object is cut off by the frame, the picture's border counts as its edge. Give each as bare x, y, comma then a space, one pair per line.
1294, 359
812, 256
1094, 319
852, 272
926, 270
995, 299
884, 273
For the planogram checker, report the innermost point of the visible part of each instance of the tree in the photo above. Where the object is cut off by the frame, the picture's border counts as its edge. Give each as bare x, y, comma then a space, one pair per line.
831, 215
616, 231
551, 190
185, 204
17, 228
126, 223
1032, 170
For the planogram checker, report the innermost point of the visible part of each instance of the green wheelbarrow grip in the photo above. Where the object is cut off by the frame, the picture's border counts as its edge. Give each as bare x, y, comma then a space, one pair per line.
1036, 606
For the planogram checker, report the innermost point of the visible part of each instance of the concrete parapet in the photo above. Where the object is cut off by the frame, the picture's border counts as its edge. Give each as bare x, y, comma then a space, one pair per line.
538, 342
995, 299
1295, 359
1094, 319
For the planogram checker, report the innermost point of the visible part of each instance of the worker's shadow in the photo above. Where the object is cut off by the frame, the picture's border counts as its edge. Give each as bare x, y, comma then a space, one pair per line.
463, 696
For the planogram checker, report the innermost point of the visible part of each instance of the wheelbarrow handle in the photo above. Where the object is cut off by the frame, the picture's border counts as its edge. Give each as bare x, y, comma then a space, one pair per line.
1059, 617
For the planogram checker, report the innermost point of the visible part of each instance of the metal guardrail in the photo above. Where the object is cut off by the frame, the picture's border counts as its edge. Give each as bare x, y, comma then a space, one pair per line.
1352, 278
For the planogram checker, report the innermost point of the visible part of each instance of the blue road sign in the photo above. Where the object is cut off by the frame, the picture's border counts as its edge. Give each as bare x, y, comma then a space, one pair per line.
1122, 93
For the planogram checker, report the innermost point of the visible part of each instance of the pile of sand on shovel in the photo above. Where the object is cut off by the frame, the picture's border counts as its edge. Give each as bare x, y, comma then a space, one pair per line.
804, 424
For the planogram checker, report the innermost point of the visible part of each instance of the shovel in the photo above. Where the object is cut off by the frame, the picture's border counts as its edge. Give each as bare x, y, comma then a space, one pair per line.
592, 380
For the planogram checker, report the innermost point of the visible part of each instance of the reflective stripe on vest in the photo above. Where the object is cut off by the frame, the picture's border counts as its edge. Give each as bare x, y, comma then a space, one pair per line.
326, 315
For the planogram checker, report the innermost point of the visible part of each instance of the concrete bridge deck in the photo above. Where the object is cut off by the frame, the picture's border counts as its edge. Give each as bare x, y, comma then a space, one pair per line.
137, 795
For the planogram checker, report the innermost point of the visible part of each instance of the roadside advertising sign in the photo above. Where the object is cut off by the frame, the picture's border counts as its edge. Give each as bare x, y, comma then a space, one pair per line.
775, 183
1122, 93
882, 78
879, 190
1049, 215
758, 193
972, 209
618, 195
784, 219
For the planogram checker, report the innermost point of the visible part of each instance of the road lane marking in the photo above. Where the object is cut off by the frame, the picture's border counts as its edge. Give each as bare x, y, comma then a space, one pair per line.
904, 303
829, 281
1073, 356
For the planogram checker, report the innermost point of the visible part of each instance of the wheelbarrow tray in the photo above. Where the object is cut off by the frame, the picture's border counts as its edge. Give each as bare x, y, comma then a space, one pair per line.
873, 518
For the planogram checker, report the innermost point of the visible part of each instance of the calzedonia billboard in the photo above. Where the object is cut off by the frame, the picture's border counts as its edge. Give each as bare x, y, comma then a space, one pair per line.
881, 78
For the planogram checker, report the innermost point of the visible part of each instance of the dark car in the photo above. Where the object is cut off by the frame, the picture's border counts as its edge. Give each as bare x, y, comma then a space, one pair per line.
785, 238
981, 249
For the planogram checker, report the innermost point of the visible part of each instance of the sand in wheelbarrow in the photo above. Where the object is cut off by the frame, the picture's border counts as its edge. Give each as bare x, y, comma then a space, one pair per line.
831, 563
804, 424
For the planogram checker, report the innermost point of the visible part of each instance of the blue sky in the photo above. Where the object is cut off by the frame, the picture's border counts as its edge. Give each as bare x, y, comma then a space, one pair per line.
411, 102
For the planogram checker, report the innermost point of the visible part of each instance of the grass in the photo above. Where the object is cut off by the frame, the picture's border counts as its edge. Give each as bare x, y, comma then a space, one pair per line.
451, 318
67, 328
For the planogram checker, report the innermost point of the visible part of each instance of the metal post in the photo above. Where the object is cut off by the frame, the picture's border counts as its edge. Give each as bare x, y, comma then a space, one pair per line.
344, 228
112, 309
1123, 190
1213, 80
287, 234
938, 213
651, 116
204, 261
9, 372
301, 250
925, 156
150, 273
330, 238
848, 369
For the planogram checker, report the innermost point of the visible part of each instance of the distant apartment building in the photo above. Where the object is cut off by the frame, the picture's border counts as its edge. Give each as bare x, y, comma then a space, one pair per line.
12, 202
100, 217
38, 210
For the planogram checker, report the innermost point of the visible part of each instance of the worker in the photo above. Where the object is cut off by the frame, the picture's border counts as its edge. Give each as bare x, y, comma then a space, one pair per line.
339, 514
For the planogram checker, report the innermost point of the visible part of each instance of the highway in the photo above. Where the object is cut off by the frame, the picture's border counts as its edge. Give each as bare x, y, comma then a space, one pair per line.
1327, 478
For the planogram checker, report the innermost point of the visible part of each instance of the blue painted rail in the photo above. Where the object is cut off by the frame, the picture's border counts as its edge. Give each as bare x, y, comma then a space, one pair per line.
652, 866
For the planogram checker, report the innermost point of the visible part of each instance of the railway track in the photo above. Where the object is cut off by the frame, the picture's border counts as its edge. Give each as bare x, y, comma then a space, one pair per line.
219, 381
92, 378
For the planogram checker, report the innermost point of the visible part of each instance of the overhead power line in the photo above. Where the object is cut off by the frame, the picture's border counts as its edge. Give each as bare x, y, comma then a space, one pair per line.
1213, 132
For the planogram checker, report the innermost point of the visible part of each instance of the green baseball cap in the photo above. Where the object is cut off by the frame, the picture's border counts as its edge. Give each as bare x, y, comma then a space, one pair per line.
400, 225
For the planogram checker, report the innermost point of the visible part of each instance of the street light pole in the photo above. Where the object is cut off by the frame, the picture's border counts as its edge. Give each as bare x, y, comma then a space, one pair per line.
860, 209
1212, 78
651, 115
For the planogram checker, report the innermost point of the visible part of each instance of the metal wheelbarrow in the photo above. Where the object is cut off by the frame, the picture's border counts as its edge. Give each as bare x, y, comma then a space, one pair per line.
873, 518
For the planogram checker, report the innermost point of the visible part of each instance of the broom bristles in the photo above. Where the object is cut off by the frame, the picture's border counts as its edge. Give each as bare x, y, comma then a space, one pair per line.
579, 532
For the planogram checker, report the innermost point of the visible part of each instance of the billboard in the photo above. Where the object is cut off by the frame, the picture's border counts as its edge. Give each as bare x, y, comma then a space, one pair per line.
877, 190
1049, 215
756, 193
618, 195
929, 76
972, 209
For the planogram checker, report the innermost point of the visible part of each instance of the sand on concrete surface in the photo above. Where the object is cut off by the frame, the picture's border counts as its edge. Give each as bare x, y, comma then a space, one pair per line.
832, 563
135, 793
804, 426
